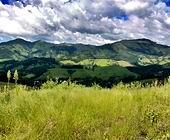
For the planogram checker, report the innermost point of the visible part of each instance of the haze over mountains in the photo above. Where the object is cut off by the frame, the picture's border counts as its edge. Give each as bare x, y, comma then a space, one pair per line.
123, 60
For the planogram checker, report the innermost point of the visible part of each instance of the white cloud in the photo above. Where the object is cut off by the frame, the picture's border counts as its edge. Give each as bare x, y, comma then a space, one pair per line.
86, 21
130, 6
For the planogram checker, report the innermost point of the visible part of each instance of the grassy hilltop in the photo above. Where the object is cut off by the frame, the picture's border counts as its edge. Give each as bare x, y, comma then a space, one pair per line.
76, 112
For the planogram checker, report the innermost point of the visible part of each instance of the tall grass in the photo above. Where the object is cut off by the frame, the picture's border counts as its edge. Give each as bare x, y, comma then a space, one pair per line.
66, 112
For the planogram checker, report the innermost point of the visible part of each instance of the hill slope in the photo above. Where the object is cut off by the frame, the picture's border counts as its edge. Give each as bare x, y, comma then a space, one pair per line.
141, 51
126, 60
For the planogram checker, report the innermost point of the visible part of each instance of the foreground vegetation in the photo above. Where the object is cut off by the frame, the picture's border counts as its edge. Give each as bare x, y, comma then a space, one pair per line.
76, 112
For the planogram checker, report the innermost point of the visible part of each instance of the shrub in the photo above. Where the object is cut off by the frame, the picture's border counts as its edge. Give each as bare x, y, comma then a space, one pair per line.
48, 85
16, 76
9, 76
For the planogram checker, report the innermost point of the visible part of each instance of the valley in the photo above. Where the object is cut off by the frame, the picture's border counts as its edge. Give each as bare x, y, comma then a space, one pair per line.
123, 61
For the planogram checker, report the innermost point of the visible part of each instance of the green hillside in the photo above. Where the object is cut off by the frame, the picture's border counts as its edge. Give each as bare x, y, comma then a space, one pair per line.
141, 51
88, 64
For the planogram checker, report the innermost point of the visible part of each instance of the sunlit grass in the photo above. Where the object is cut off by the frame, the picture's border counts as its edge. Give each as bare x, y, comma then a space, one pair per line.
77, 112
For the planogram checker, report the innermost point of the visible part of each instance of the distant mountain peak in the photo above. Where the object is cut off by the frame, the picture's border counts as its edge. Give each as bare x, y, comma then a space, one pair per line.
18, 40
125, 50
136, 40
143, 39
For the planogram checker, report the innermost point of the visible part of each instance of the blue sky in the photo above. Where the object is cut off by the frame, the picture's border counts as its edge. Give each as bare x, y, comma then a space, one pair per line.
167, 2
5, 1
85, 21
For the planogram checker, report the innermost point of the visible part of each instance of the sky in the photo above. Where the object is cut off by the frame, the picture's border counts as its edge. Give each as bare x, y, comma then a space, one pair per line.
85, 21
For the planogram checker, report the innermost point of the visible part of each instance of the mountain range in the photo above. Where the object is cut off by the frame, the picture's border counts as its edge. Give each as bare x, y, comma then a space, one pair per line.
126, 60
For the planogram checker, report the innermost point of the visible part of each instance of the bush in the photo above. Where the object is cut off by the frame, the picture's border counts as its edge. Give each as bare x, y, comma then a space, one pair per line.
48, 85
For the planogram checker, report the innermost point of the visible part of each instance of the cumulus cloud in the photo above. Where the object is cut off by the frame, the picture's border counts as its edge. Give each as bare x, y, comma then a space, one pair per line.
85, 21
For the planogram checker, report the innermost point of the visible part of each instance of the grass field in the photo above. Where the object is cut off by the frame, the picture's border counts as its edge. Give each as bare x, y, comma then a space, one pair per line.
62, 112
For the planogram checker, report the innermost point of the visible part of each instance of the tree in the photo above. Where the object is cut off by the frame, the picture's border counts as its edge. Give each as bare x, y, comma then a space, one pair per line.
16, 76
9, 76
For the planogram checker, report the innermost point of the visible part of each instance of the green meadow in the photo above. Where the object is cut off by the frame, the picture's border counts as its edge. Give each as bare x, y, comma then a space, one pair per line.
74, 112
